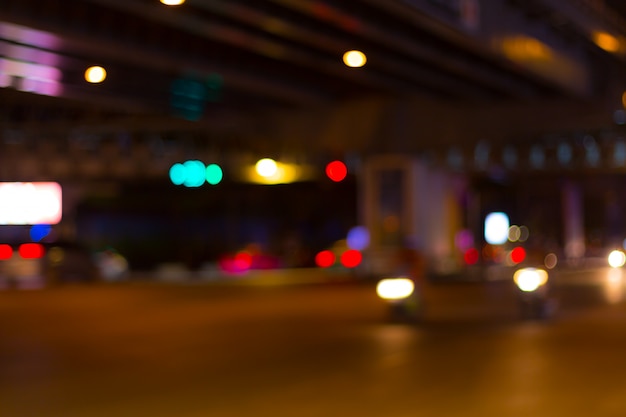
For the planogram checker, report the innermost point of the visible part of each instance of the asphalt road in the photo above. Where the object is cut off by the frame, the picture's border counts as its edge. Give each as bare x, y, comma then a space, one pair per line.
176, 350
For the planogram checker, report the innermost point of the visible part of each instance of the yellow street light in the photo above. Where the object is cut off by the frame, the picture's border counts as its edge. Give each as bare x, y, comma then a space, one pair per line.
354, 59
95, 74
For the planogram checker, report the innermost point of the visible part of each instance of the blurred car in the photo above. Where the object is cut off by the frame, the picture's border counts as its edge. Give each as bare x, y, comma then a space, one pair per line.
536, 299
250, 258
111, 264
70, 262
404, 301
21, 266
31, 265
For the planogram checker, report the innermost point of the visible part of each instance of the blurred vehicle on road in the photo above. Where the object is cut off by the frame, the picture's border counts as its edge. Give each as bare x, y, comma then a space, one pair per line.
405, 303
111, 265
69, 262
403, 288
33, 265
247, 259
21, 266
536, 298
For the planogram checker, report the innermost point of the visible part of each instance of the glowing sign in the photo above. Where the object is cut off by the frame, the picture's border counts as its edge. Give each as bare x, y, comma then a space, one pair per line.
30, 203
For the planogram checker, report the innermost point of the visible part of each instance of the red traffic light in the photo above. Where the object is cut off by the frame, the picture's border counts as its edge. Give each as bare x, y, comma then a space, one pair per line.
336, 171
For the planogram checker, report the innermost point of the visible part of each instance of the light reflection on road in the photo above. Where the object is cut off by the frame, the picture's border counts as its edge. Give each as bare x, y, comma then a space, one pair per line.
614, 286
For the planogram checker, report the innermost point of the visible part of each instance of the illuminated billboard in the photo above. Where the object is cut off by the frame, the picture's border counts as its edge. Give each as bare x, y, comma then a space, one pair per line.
28, 203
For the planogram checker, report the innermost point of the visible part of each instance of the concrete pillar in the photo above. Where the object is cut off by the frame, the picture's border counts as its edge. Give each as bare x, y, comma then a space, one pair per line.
405, 201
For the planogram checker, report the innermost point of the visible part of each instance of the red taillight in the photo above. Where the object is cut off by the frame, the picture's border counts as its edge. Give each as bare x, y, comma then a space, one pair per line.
351, 258
325, 259
31, 250
6, 251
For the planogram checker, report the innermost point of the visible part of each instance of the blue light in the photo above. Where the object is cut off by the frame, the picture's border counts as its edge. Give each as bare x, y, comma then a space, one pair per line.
358, 238
39, 231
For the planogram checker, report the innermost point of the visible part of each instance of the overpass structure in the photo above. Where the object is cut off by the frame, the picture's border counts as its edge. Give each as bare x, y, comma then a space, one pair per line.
269, 74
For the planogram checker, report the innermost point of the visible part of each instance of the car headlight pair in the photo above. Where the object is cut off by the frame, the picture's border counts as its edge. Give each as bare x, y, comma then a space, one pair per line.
529, 279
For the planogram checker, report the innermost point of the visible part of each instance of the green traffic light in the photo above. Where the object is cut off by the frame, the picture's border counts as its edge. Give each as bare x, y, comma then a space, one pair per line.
178, 173
194, 173
214, 174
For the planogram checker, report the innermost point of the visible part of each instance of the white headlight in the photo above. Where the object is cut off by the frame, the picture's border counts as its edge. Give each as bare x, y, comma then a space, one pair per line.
529, 279
395, 288
617, 259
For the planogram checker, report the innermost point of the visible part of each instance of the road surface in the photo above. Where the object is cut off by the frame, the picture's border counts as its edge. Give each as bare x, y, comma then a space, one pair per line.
196, 350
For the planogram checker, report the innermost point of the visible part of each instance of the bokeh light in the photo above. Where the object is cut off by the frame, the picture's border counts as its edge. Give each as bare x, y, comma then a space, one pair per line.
195, 173
354, 59
56, 255
31, 250
358, 238
524, 233
496, 228
266, 167
268, 171
518, 255
395, 288
6, 251
464, 239
336, 171
242, 261
351, 258
39, 231
325, 259
606, 41
177, 174
471, 256
214, 174
95, 74
514, 233
551, 261
172, 2
617, 259
529, 279
237, 263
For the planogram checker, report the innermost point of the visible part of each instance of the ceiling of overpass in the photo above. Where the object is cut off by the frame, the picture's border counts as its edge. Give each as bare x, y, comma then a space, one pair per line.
268, 76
